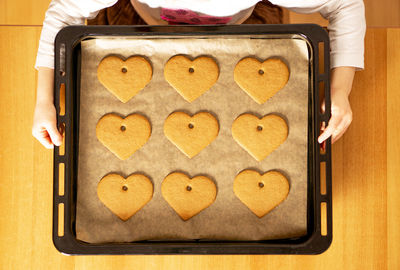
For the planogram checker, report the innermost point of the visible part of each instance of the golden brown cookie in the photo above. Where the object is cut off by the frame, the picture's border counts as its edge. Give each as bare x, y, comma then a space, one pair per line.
123, 136
191, 78
261, 193
261, 80
124, 197
259, 137
124, 78
186, 196
191, 134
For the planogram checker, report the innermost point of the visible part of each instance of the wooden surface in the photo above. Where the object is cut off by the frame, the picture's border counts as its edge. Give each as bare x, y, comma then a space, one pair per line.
393, 149
366, 196
20, 12
383, 13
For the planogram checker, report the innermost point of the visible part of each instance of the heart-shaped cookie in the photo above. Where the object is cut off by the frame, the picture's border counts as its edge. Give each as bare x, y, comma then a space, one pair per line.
123, 136
261, 193
186, 196
191, 134
124, 197
261, 80
259, 137
124, 78
191, 78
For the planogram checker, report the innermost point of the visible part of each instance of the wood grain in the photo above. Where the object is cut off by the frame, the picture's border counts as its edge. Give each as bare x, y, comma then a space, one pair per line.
25, 166
393, 147
365, 172
307, 18
384, 13
363, 182
20, 12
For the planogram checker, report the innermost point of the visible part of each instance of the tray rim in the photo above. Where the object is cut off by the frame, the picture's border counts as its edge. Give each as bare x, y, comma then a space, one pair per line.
312, 243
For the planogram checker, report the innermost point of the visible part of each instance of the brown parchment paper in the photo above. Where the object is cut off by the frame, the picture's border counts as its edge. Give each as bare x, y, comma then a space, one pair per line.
222, 160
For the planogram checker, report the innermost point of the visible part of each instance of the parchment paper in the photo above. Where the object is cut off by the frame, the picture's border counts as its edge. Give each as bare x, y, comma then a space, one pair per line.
222, 160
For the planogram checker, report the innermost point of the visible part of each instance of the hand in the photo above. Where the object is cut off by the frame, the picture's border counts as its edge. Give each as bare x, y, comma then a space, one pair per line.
341, 114
44, 120
45, 125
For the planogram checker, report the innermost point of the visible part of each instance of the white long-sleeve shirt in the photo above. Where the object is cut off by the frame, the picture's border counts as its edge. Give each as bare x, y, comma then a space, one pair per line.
346, 21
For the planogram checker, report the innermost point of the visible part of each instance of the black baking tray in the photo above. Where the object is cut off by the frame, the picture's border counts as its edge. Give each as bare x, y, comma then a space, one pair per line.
67, 74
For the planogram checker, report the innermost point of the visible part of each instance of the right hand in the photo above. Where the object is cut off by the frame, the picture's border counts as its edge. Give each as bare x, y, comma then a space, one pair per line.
45, 125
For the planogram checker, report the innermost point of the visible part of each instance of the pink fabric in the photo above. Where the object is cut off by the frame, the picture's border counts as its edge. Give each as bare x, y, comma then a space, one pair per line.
186, 16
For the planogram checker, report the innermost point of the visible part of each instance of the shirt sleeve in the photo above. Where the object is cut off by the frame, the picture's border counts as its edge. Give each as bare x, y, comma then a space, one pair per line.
60, 14
346, 29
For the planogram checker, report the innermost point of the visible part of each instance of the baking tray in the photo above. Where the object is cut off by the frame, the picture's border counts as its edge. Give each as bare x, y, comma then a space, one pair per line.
67, 89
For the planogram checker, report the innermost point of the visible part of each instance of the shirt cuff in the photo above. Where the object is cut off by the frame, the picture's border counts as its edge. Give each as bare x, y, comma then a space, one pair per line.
347, 60
44, 61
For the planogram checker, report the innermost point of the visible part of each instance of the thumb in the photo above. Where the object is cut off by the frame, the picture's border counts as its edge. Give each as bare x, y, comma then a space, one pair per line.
55, 135
332, 125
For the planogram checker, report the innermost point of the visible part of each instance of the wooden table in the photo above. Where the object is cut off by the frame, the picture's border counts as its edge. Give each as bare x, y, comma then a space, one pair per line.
366, 166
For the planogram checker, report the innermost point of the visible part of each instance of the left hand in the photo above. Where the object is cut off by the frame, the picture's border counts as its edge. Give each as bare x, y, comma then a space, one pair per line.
341, 114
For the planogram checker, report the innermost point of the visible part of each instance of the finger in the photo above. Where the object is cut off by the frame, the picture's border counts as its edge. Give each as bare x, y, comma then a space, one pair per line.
55, 135
342, 127
340, 131
337, 136
47, 142
332, 125
44, 138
